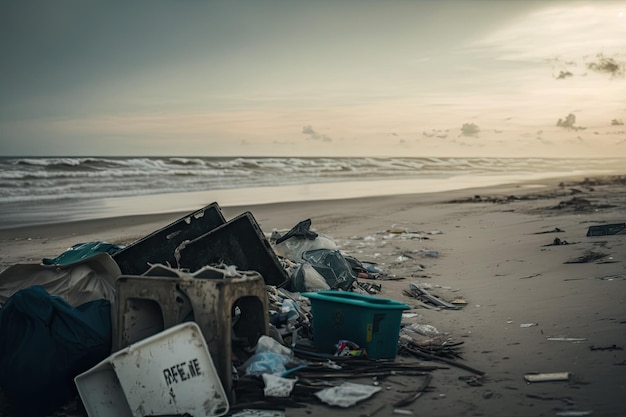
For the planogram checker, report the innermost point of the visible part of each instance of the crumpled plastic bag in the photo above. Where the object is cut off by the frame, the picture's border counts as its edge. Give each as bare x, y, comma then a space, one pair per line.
307, 279
298, 240
346, 394
270, 357
294, 248
332, 265
266, 363
277, 386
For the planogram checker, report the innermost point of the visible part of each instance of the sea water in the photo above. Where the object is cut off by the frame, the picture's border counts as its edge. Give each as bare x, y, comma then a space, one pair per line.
56, 189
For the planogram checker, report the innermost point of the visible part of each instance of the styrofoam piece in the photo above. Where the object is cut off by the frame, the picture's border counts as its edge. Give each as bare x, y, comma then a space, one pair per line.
170, 373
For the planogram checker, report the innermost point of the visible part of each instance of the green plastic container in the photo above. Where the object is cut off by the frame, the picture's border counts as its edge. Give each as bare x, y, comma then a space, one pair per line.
371, 322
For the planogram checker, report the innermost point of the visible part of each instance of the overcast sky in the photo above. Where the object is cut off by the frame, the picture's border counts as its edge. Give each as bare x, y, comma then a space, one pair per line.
336, 77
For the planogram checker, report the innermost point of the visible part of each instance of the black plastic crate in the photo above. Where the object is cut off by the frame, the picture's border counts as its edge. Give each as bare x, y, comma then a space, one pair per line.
239, 242
159, 247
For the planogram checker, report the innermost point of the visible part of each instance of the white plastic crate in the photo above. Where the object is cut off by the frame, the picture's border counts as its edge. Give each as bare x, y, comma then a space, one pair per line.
169, 373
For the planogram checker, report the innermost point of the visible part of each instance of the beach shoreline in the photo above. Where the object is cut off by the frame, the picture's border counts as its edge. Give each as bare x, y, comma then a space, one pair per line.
494, 247
62, 209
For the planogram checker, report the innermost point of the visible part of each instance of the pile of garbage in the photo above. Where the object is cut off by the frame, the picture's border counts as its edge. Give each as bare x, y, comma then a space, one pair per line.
265, 319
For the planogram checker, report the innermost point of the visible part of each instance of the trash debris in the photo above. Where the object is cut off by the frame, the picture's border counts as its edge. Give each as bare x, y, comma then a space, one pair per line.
277, 386
45, 342
526, 325
422, 294
403, 412
428, 253
82, 251
280, 314
300, 230
160, 375
239, 242
348, 348
269, 357
609, 348
472, 381
555, 230
567, 339
589, 256
160, 246
607, 229
424, 329
373, 323
369, 288
547, 377
331, 264
88, 279
346, 394
307, 278
559, 242
573, 413
438, 348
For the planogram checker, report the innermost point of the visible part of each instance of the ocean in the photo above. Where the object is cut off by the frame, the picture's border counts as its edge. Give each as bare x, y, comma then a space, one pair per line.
39, 190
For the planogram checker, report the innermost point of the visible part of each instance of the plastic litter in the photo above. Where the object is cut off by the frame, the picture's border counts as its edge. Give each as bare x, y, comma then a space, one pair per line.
277, 386
331, 264
346, 394
298, 240
424, 329
306, 278
547, 377
269, 357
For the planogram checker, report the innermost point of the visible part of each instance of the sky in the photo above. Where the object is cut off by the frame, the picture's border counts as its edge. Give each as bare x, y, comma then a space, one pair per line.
313, 78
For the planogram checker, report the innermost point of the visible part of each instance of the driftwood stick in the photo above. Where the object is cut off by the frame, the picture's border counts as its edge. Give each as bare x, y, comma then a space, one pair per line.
444, 360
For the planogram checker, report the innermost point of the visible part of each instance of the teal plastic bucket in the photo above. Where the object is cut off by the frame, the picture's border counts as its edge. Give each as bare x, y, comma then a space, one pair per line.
371, 322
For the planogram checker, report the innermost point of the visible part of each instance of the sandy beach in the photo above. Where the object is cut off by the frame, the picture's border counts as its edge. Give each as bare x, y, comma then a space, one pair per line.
532, 306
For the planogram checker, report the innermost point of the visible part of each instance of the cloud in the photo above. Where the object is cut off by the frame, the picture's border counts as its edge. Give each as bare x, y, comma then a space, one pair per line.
563, 75
436, 133
569, 123
607, 65
469, 129
313, 135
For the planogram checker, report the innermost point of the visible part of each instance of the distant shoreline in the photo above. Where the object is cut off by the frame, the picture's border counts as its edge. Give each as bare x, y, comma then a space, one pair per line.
24, 214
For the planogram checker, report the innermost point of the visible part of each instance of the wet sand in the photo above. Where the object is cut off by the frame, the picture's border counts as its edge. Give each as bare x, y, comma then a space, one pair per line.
495, 251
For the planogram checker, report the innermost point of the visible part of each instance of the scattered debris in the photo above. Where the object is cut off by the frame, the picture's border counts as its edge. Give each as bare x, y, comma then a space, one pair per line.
555, 230
566, 400
531, 276
610, 348
573, 413
567, 339
423, 295
589, 256
607, 229
346, 394
547, 377
472, 381
558, 242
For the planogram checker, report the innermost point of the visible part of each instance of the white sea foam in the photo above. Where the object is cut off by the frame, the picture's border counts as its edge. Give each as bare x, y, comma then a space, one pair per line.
75, 181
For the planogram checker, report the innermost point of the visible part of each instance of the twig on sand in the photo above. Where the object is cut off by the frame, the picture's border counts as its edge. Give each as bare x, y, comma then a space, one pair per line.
414, 396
